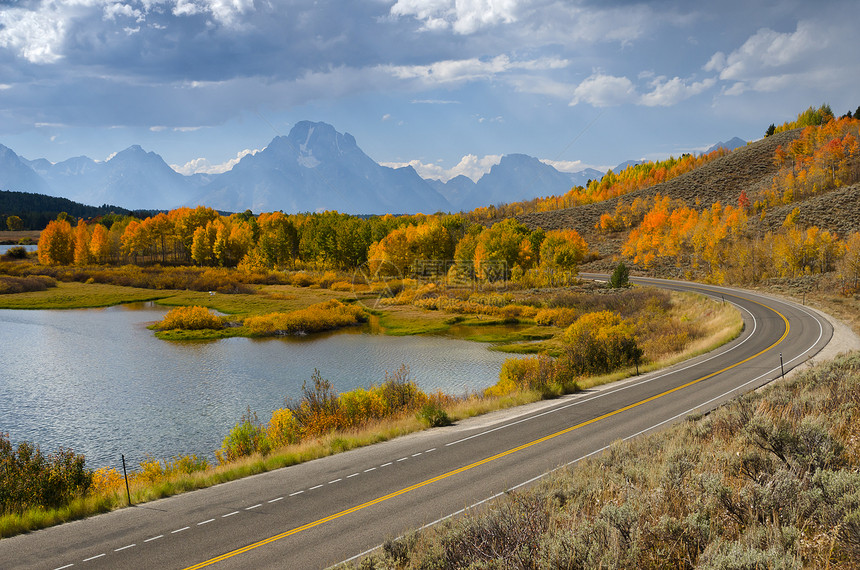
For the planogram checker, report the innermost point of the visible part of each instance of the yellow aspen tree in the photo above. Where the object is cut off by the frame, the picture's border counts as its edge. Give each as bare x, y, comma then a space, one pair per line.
56, 244
100, 244
82, 243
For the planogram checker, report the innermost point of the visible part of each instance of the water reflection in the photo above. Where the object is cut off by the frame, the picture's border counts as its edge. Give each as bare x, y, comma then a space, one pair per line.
98, 381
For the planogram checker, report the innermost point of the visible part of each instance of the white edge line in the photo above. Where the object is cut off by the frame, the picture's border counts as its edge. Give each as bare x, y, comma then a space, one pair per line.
541, 476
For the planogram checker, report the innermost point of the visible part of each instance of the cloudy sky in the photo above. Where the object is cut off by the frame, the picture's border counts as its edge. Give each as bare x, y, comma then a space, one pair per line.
446, 85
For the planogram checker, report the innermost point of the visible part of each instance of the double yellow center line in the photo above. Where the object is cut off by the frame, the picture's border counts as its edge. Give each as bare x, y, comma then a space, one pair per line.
490, 459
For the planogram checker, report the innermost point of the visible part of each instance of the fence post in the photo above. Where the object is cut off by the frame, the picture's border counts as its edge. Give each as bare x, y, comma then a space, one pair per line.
124, 472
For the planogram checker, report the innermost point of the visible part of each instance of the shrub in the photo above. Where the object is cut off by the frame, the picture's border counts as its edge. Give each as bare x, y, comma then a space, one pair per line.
9, 284
600, 342
16, 253
433, 416
245, 438
317, 412
620, 277
401, 394
540, 373
328, 315
106, 480
190, 318
301, 279
559, 317
283, 429
30, 479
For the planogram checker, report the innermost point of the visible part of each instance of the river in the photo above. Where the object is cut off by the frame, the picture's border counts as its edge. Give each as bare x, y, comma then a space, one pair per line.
98, 381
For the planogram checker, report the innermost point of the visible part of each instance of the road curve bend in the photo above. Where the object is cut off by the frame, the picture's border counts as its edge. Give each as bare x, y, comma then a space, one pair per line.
330, 510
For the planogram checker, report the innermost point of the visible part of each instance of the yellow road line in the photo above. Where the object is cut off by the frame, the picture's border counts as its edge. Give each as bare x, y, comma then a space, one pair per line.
459, 470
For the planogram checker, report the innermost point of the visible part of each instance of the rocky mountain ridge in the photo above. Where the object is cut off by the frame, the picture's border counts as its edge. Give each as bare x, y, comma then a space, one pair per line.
314, 168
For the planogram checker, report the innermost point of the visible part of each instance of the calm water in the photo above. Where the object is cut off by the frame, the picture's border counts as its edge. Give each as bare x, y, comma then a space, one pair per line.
5, 248
97, 380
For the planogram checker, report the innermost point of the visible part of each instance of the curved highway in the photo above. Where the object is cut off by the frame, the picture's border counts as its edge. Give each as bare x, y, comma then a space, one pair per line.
326, 511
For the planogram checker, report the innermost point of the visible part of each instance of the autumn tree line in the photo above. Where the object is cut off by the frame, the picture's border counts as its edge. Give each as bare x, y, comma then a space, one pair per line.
393, 245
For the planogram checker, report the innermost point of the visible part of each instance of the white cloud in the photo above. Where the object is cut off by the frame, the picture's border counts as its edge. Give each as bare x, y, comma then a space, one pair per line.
668, 93
36, 36
462, 70
573, 165
716, 63
770, 61
115, 10
38, 31
203, 166
463, 16
470, 166
767, 50
604, 91
386, 116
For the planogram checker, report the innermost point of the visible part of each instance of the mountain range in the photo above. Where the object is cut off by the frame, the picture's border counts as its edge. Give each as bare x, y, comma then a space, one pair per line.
314, 168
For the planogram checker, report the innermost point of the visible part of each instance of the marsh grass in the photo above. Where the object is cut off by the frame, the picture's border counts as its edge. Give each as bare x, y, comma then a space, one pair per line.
75, 295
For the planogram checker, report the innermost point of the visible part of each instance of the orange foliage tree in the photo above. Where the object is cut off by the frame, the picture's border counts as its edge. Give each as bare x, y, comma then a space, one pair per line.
82, 243
57, 244
824, 157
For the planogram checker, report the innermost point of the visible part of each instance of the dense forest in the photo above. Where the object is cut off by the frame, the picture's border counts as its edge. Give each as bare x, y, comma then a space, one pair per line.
36, 210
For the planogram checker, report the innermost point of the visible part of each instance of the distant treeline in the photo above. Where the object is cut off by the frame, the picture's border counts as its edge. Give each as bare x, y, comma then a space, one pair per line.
36, 210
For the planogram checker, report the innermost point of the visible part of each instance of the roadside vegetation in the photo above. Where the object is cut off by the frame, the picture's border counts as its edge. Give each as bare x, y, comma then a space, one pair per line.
771, 480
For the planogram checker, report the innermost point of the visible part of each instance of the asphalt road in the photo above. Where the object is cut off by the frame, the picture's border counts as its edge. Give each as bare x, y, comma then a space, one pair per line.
326, 511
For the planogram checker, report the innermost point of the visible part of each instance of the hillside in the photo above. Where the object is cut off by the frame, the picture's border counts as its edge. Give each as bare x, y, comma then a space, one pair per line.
36, 210
748, 168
